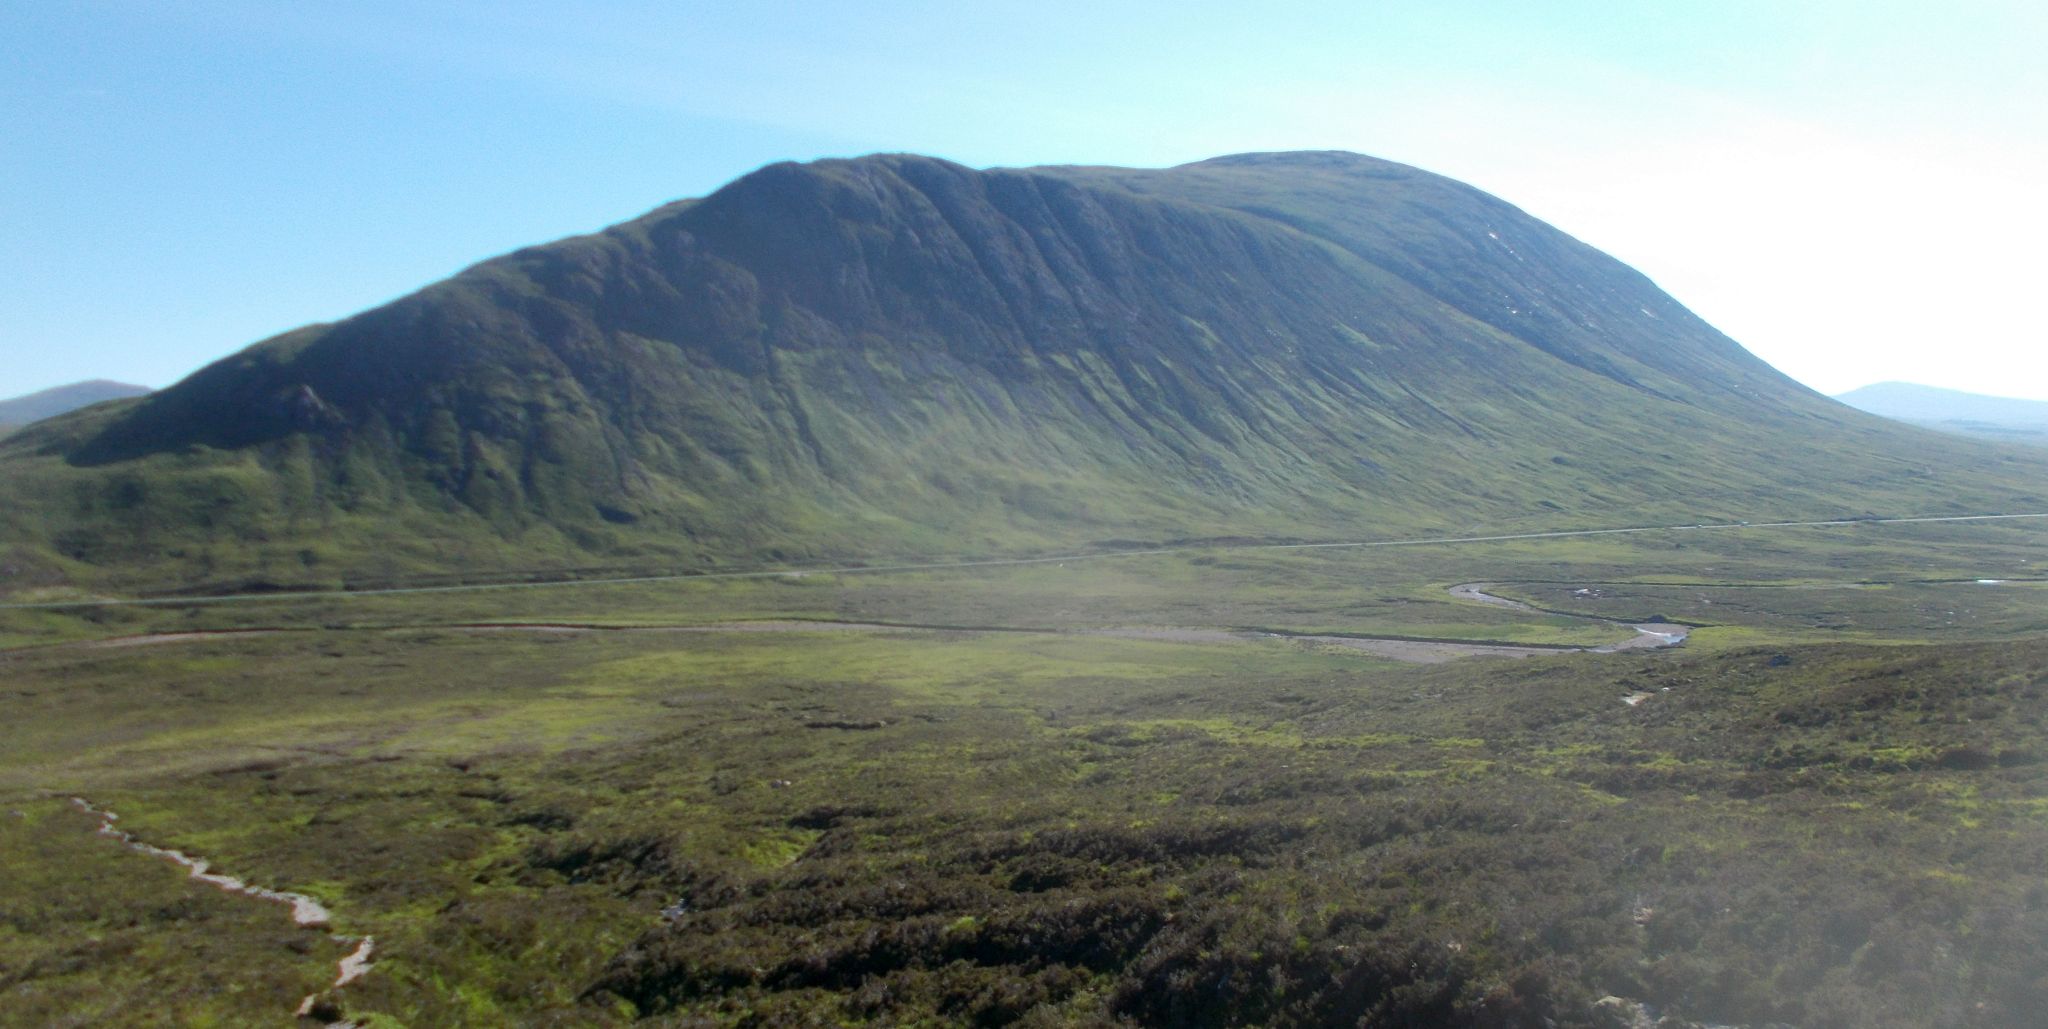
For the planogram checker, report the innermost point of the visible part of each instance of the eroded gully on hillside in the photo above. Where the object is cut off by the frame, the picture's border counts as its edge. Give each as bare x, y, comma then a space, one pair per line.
306, 912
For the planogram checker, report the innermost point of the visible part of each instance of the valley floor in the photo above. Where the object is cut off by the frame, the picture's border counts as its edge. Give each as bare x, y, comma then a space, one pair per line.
1182, 798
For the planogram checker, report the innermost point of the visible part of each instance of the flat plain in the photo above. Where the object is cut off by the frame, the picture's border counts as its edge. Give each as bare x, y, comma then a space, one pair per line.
1121, 789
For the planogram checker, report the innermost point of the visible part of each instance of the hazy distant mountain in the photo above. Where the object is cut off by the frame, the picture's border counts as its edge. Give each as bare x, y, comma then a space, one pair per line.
58, 400
1951, 410
899, 356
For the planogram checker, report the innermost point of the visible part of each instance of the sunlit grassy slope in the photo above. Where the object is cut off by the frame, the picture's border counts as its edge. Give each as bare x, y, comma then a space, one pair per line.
897, 356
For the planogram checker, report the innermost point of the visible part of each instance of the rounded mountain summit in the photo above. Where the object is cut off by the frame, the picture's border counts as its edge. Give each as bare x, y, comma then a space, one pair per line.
900, 357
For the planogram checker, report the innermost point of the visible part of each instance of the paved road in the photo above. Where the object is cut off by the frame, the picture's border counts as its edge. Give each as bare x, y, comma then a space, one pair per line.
252, 598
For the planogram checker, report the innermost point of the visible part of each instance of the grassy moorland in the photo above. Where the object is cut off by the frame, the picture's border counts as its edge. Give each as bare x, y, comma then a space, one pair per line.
1833, 821
1775, 577
1174, 779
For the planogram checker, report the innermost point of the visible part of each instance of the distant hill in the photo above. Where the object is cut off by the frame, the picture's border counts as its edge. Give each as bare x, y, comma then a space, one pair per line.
1972, 414
52, 402
898, 357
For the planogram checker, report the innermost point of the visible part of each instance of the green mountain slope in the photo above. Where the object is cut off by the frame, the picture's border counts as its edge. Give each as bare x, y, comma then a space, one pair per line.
896, 356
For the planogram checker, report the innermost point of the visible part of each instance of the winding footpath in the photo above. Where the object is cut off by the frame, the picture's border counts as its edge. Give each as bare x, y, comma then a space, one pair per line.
306, 912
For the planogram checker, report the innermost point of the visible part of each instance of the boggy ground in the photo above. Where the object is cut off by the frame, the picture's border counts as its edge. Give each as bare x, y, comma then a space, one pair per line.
765, 830
991, 827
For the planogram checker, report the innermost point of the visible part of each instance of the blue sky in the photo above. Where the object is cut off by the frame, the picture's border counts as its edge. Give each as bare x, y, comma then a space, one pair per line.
1852, 190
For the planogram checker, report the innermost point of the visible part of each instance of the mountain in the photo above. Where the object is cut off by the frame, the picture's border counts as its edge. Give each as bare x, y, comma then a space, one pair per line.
49, 403
896, 356
1972, 414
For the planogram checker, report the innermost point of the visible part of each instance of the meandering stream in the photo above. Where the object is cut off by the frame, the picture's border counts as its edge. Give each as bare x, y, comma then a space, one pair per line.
1413, 650
1649, 635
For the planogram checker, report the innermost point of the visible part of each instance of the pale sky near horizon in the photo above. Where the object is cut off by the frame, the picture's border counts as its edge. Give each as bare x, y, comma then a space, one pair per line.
1854, 191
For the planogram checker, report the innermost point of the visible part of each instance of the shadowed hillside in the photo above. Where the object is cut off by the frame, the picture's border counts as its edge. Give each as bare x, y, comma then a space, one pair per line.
896, 356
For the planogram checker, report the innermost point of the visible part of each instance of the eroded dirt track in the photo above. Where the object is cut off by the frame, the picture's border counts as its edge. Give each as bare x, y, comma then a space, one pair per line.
306, 912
